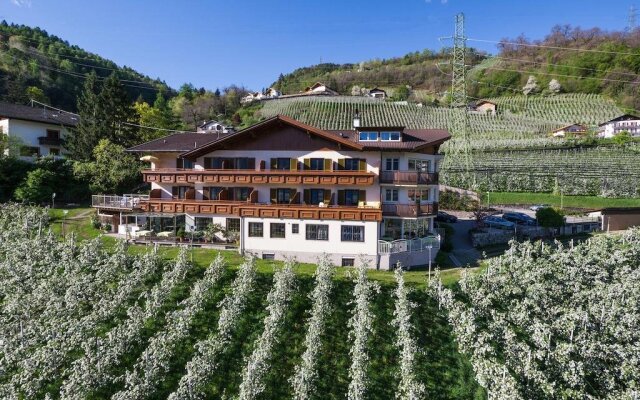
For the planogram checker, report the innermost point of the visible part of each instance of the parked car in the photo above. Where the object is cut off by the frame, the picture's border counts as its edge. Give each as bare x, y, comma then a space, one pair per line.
519, 218
445, 217
496, 222
537, 207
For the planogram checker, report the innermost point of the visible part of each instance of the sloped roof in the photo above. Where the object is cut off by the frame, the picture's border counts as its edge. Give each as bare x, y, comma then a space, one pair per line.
176, 143
37, 114
623, 117
412, 139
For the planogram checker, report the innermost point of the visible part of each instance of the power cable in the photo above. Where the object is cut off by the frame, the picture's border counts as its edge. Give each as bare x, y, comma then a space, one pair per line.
554, 47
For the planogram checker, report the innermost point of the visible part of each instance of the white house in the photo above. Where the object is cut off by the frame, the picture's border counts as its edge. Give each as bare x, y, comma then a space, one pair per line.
320, 88
272, 93
626, 122
213, 126
37, 131
291, 189
573, 129
377, 93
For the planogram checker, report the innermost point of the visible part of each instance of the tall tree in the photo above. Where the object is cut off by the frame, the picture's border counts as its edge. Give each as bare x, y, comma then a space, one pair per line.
115, 111
85, 136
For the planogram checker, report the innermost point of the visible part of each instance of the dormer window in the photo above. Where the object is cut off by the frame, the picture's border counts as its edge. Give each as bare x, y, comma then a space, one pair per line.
390, 136
368, 136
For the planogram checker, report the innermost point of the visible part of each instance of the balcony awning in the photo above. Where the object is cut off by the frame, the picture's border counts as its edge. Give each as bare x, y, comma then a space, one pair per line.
149, 158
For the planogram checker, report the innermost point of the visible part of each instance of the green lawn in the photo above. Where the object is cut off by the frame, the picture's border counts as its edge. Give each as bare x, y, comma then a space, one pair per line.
588, 202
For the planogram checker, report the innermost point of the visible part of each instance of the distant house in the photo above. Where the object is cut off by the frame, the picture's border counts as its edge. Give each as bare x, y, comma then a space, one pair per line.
617, 219
573, 129
214, 127
252, 96
485, 107
37, 131
377, 93
272, 93
320, 88
626, 122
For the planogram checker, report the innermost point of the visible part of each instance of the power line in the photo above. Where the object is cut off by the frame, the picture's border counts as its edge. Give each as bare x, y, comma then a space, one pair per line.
51, 107
562, 65
554, 47
566, 76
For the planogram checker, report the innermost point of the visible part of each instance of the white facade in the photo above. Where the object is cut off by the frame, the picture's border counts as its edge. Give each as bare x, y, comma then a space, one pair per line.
36, 139
214, 127
612, 128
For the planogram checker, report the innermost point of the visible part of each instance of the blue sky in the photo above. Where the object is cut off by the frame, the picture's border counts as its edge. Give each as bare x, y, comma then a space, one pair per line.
216, 43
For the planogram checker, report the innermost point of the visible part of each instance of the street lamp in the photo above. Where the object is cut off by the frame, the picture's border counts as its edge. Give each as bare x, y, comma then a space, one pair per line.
53, 200
430, 246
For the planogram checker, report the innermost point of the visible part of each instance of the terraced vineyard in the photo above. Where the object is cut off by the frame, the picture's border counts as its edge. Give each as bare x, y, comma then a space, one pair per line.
81, 322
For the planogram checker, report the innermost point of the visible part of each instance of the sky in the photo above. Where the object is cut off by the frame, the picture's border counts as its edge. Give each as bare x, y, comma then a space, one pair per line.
216, 43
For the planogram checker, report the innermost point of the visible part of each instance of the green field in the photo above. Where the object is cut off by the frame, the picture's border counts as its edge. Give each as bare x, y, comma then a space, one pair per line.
584, 202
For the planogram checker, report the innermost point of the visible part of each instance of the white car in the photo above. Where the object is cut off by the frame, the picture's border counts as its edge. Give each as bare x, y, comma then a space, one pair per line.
537, 207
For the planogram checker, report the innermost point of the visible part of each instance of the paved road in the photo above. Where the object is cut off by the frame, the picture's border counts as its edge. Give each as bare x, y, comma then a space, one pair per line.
463, 252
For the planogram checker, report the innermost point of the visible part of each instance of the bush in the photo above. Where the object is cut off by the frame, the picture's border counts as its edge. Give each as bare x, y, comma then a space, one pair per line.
450, 200
51, 176
549, 218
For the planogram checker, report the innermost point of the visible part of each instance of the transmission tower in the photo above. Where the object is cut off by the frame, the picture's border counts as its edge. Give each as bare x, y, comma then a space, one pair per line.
460, 147
631, 22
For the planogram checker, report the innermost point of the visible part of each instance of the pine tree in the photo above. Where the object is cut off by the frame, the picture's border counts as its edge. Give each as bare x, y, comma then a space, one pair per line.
114, 107
85, 136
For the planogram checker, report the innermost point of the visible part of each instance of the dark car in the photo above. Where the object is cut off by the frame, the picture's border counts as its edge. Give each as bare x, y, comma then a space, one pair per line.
519, 218
444, 217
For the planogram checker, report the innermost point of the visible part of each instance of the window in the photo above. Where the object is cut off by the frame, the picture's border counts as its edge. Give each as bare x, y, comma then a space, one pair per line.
255, 229
316, 196
233, 224
418, 194
391, 195
351, 164
317, 232
245, 163
28, 151
202, 223
239, 193
268, 256
229, 163
53, 134
283, 164
368, 136
348, 262
351, 197
184, 163
390, 136
295, 228
54, 152
211, 192
352, 233
277, 230
179, 192
419, 165
283, 196
392, 164
316, 164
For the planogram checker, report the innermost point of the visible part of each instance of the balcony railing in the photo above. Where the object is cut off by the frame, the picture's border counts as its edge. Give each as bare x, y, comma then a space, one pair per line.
124, 202
262, 210
50, 141
250, 176
409, 177
409, 210
409, 245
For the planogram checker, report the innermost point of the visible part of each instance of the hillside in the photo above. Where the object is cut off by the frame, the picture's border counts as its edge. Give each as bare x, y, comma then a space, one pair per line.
34, 64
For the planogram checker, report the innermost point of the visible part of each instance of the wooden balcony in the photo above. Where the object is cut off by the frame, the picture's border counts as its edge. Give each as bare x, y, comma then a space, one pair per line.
248, 209
246, 177
409, 177
409, 210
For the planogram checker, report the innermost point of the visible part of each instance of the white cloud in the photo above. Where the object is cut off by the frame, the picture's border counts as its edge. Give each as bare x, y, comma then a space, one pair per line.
21, 3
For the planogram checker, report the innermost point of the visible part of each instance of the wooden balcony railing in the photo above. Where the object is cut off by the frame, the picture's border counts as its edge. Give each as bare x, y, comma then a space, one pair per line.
259, 210
244, 176
409, 177
409, 210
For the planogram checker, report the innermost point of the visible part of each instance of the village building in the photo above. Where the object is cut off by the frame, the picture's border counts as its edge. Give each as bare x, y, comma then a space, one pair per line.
287, 189
213, 126
377, 93
484, 107
34, 131
570, 130
627, 122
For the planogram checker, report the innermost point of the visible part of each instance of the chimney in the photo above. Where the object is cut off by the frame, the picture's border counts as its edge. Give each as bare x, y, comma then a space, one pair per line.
356, 120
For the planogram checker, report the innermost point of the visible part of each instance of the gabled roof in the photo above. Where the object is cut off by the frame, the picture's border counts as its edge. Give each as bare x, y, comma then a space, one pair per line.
569, 126
375, 89
412, 139
624, 117
278, 119
176, 143
480, 102
37, 114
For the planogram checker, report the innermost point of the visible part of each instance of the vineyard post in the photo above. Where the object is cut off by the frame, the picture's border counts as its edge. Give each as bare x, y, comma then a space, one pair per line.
430, 246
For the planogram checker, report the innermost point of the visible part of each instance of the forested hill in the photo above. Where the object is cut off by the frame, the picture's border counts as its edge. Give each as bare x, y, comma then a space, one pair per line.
35, 64
418, 70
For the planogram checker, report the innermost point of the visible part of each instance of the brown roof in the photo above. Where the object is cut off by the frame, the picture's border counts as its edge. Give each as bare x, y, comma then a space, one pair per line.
178, 142
204, 149
569, 126
37, 114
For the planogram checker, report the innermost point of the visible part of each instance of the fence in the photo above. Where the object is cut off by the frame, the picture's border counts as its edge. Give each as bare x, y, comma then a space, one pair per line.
124, 202
409, 245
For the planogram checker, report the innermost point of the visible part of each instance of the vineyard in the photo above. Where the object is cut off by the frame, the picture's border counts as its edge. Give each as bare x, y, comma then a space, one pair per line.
83, 322
546, 322
541, 164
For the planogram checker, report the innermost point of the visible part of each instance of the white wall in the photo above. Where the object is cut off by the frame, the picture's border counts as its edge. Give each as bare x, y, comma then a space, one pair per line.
29, 131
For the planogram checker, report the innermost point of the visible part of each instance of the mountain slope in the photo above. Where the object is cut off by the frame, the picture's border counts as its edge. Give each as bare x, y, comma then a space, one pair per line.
36, 64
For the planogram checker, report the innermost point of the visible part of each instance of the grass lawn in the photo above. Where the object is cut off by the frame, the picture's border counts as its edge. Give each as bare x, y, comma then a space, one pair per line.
78, 220
556, 201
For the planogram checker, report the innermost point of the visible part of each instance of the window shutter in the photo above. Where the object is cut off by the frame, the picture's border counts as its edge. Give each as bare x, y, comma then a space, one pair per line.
292, 196
341, 164
307, 163
293, 164
274, 163
306, 194
205, 192
274, 197
362, 196
327, 196
252, 163
190, 194
207, 163
178, 162
327, 164
362, 164
341, 199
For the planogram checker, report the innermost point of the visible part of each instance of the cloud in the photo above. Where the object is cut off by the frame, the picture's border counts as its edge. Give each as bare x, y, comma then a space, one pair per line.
21, 3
